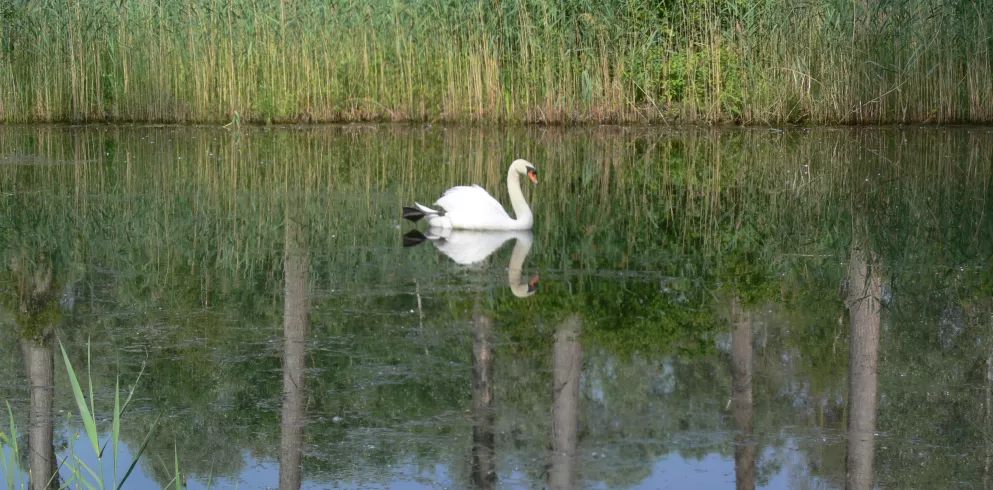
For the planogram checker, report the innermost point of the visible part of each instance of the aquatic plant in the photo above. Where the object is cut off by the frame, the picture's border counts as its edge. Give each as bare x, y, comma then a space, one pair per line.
80, 474
545, 61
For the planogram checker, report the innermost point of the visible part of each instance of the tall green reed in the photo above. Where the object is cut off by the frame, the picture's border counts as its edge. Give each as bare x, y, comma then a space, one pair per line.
551, 61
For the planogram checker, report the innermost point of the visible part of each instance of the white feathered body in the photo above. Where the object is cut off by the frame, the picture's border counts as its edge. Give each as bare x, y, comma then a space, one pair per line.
472, 208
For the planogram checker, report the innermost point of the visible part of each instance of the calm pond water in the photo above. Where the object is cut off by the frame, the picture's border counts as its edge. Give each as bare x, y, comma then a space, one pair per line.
714, 308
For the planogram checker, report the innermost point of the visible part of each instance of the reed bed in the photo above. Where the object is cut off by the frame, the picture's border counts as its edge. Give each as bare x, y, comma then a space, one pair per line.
530, 61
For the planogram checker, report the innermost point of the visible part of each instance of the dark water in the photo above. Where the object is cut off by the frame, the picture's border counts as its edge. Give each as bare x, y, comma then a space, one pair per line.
747, 308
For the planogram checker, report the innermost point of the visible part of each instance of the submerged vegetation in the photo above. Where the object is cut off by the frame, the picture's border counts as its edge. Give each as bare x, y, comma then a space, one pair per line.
549, 61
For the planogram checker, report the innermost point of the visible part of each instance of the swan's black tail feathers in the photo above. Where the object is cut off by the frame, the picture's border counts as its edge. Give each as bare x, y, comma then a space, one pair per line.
413, 238
413, 214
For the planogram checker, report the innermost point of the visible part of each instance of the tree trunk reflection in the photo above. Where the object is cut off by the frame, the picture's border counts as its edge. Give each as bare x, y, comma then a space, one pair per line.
741, 387
864, 291
40, 368
36, 299
483, 465
568, 361
295, 326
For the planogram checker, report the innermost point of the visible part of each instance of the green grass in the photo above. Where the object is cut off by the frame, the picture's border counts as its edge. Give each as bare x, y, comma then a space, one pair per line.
539, 61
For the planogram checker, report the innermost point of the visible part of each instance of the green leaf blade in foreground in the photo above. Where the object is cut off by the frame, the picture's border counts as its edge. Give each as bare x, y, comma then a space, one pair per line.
137, 456
86, 482
15, 457
116, 428
89, 423
89, 470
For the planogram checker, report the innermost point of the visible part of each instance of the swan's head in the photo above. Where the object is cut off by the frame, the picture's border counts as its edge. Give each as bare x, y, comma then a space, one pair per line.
524, 167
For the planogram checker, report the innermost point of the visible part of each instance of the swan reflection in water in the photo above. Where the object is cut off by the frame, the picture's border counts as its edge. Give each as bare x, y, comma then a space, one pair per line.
471, 247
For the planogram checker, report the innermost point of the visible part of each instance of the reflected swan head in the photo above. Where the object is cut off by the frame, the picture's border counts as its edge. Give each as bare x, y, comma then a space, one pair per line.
524, 289
470, 247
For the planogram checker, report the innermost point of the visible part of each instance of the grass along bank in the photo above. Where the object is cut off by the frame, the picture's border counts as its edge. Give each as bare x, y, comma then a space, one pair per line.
545, 61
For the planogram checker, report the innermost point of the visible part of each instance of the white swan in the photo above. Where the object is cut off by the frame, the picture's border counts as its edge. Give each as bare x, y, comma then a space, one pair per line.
470, 247
472, 208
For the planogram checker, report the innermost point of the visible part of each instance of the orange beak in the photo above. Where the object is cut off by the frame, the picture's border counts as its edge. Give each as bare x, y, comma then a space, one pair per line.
533, 284
533, 175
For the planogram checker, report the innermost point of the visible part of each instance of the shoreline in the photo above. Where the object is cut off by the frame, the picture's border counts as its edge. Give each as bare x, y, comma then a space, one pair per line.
502, 126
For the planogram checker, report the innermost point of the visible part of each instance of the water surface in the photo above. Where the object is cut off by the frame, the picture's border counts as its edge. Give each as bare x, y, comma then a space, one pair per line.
714, 308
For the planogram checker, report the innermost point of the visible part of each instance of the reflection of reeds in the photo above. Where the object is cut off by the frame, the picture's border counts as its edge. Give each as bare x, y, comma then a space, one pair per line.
552, 61
209, 198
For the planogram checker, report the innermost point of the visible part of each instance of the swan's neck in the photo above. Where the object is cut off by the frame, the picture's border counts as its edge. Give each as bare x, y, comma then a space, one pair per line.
521, 209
